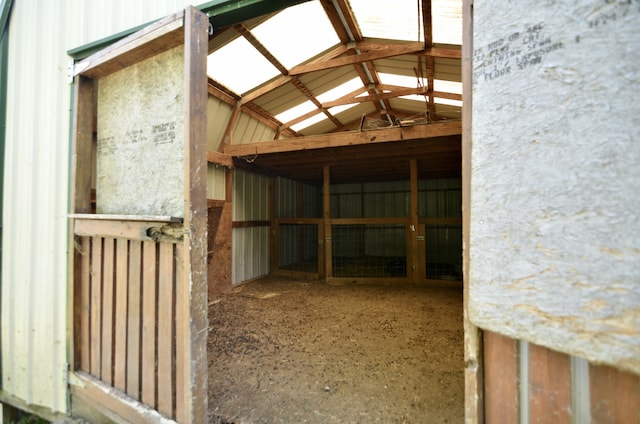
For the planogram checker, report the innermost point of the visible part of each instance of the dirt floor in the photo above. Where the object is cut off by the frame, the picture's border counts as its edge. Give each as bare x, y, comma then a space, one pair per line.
290, 351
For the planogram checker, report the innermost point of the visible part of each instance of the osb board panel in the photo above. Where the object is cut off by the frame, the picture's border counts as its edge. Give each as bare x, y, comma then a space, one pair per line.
140, 162
554, 241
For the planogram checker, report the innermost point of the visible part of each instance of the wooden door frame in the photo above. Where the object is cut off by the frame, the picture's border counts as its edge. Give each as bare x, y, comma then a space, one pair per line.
188, 28
473, 372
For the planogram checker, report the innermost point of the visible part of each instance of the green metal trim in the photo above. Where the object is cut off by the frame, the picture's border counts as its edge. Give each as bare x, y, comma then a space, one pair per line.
221, 13
5, 13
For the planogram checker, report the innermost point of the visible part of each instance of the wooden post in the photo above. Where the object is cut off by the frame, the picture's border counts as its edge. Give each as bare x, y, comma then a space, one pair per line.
191, 314
473, 372
326, 207
274, 237
414, 257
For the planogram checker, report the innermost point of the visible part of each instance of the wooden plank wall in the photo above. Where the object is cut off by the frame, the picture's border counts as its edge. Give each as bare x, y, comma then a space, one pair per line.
513, 368
128, 295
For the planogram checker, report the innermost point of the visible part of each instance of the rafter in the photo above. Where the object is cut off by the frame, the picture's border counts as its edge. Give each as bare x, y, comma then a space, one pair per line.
244, 31
389, 51
347, 139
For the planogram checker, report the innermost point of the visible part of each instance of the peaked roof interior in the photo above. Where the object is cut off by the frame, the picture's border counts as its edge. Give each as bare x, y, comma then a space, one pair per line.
360, 85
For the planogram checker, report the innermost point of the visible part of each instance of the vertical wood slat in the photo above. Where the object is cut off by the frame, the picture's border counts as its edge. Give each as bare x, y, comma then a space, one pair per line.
134, 319
149, 303
549, 386
166, 337
96, 306
615, 395
107, 310
85, 304
120, 318
182, 355
500, 378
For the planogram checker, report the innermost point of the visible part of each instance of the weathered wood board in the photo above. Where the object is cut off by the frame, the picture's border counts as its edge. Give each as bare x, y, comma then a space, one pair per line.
555, 175
140, 158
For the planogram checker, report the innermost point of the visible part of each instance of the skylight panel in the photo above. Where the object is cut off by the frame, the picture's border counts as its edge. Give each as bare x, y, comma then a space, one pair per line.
449, 102
415, 97
447, 86
340, 91
239, 66
400, 80
339, 109
447, 21
296, 111
389, 19
297, 34
308, 122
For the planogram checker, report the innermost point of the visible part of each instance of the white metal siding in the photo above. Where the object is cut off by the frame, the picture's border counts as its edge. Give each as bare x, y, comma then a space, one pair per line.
216, 182
286, 198
250, 246
218, 114
35, 297
249, 130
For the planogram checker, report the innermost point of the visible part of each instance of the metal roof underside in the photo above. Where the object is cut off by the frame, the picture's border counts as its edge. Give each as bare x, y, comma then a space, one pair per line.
333, 66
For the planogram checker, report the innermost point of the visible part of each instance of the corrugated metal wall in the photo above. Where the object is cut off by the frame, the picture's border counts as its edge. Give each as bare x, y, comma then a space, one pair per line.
219, 112
248, 130
216, 180
250, 245
35, 295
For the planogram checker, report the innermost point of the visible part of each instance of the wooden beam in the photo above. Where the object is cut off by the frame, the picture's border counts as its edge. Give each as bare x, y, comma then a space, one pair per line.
285, 79
390, 51
152, 40
113, 403
374, 98
421, 90
427, 23
219, 158
347, 139
244, 31
83, 144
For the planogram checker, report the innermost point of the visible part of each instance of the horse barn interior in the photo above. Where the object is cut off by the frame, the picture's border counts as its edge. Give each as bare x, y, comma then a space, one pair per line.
333, 199
344, 135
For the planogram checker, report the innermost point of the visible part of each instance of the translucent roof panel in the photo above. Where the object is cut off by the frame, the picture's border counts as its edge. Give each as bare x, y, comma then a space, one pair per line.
304, 38
390, 19
239, 66
340, 91
401, 80
447, 86
308, 122
449, 102
447, 21
294, 112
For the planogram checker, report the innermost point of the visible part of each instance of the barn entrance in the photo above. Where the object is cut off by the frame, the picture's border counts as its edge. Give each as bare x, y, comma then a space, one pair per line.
344, 299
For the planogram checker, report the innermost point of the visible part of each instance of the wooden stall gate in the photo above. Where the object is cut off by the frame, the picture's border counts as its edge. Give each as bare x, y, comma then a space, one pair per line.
139, 275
